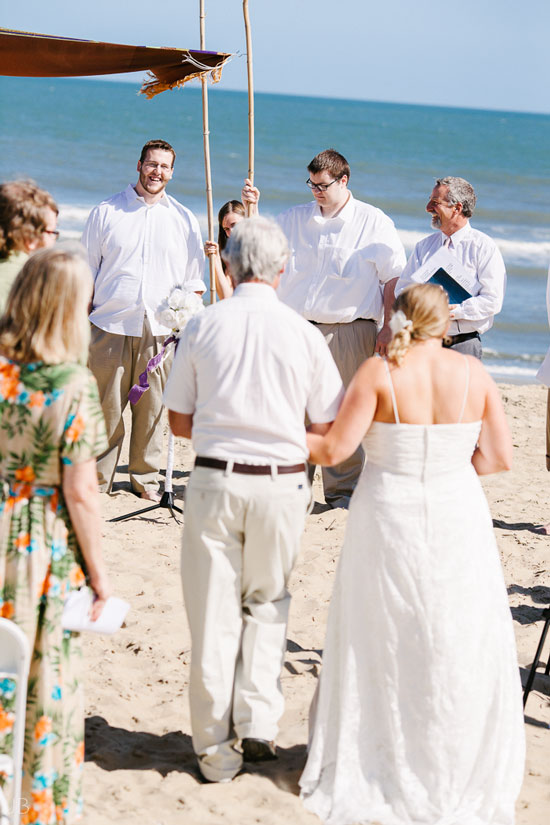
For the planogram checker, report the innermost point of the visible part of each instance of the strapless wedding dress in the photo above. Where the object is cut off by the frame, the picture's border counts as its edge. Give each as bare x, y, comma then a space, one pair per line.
418, 717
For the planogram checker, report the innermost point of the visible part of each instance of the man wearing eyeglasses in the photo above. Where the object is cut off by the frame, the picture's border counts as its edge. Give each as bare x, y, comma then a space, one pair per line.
141, 244
344, 255
451, 205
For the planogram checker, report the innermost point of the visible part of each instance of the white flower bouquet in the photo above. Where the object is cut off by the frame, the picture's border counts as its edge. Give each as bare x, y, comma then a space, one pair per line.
174, 312
180, 306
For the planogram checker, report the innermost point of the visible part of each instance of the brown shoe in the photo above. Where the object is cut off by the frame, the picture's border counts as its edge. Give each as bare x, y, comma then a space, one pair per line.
258, 750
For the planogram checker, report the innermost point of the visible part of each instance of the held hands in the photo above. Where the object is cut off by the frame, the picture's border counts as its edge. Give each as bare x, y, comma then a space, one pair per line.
383, 339
250, 194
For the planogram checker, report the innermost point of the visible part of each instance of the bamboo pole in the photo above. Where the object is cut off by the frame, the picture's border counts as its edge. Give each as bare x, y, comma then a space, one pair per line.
207, 170
249, 66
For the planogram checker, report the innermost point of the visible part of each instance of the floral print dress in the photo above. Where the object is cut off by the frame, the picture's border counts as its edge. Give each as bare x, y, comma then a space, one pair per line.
50, 416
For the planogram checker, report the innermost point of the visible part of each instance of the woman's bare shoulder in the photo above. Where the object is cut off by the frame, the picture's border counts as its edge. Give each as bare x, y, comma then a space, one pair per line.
478, 372
369, 374
374, 367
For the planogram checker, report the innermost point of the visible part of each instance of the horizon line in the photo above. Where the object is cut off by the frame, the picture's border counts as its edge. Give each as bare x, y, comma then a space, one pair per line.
215, 88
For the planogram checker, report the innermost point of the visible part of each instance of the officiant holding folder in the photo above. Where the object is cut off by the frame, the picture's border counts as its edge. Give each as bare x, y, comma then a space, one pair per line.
465, 261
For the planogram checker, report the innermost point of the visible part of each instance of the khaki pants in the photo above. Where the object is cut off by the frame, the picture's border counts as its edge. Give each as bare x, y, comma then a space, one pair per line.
117, 362
240, 541
350, 345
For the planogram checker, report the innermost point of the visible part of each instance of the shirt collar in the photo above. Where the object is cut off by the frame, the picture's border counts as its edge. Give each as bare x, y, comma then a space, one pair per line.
345, 214
17, 256
132, 196
264, 292
457, 236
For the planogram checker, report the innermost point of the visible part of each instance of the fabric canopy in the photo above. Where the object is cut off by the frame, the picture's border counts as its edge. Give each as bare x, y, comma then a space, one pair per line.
24, 54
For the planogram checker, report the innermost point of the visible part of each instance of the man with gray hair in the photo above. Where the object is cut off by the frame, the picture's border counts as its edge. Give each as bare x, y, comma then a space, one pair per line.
451, 205
246, 372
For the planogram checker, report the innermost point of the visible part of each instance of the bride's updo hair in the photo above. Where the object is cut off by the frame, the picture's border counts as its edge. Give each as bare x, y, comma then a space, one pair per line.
420, 312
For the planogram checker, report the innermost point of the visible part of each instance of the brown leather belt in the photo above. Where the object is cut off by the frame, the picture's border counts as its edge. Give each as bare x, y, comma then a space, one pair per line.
248, 469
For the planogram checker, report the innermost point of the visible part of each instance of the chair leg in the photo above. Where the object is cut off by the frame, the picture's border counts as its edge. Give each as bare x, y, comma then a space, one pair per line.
532, 672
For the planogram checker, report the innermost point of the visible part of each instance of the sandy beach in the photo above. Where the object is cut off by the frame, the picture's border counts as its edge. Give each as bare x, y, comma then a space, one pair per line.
140, 766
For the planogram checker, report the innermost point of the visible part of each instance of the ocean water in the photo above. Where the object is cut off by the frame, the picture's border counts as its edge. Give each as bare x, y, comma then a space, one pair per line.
80, 139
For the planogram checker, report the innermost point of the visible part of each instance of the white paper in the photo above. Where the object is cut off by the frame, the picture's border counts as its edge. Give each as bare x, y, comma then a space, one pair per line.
76, 613
443, 259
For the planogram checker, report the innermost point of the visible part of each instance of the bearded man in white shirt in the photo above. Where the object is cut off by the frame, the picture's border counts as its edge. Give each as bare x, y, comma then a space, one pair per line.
141, 244
344, 253
451, 205
246, 372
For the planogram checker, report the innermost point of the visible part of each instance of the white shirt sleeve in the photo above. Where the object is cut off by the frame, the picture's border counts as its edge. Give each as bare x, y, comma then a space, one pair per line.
91, 239
411, 266
491, 274
390, 255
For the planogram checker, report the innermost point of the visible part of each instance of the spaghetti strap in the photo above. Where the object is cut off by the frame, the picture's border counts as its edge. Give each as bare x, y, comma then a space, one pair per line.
466, 388
392, 391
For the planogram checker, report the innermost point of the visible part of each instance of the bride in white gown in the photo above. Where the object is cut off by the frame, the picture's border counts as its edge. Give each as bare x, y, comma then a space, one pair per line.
418, 717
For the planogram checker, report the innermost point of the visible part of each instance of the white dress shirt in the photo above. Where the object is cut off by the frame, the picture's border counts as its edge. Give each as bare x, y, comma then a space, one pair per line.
248, 368
478, 253
138, 254
337, 265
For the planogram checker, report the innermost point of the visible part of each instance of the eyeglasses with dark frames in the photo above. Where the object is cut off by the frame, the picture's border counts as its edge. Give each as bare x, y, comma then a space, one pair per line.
320, 187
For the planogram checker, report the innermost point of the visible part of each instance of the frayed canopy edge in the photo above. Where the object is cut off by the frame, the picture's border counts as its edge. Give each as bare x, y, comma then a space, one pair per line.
27, 54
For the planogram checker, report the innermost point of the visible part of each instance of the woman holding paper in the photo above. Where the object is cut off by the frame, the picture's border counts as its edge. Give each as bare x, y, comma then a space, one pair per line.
51, 430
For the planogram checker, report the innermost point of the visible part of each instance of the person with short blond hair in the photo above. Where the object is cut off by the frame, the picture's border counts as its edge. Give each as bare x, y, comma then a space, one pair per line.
28, 218
51, 430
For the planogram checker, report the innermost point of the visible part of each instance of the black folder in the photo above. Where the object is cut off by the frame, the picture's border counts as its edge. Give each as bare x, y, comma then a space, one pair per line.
454, 290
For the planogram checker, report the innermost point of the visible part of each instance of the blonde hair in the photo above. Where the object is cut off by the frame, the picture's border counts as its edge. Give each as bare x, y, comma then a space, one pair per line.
46, 314
426, 306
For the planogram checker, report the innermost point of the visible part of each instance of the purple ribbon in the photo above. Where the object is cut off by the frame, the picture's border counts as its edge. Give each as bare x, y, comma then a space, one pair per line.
138, 389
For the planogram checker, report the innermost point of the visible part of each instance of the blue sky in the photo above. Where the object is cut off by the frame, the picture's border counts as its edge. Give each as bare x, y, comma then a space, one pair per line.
490, 54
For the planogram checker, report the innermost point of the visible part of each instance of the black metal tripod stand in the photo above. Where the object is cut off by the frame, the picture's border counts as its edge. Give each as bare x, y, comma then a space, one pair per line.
167, 500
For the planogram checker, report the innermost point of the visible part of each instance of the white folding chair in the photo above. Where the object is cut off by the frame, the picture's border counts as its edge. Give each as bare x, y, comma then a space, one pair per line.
14, 664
